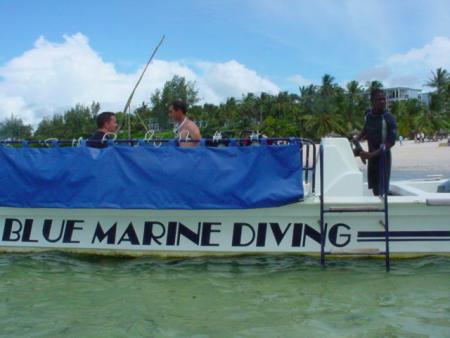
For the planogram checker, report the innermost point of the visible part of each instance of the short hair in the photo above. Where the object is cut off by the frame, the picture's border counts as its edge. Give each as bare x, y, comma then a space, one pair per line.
103, 118
179, 105
375, 92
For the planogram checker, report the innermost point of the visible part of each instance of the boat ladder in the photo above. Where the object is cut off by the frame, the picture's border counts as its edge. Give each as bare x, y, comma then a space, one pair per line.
355, 209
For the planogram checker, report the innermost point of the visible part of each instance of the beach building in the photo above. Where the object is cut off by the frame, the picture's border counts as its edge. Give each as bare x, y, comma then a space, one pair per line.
425, 98
405, 93
401, 93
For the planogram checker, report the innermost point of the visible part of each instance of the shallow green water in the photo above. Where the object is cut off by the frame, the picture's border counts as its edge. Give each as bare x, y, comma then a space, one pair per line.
56, 295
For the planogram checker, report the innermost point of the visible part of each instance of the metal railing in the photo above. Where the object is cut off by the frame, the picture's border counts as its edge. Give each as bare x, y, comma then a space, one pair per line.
384, 192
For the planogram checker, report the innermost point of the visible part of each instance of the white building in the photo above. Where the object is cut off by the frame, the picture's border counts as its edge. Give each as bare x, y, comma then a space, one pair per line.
426, 98
404, 93
401, 93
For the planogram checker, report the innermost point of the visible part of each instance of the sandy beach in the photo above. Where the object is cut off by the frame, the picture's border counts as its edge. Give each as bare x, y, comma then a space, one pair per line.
428, 157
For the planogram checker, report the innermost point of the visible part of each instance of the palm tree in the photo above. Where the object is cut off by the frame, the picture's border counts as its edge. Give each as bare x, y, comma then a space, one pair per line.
354, 88
430, 121
440, 100
324, 117
307, 96
322, 123
439, 80
354, 105
328, 86
307, 90
372, 85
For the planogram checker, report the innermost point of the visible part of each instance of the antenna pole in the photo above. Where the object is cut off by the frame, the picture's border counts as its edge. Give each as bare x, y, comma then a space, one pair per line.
130, 98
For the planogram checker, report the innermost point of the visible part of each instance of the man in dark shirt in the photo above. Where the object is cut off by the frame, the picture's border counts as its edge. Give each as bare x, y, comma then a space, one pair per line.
380, 128
106, 124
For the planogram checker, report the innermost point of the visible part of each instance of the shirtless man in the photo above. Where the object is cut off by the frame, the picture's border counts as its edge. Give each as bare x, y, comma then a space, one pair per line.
186, 128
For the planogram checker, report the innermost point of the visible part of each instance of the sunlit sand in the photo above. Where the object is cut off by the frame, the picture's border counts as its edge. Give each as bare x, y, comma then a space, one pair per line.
428, 156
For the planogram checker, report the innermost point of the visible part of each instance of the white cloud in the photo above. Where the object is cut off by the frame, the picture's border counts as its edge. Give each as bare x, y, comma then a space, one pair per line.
433, 55
411, 69
380, 73
53, 76
300, 80
231, 79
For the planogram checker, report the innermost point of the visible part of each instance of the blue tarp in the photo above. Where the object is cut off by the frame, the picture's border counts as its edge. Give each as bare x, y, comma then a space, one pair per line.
146, 177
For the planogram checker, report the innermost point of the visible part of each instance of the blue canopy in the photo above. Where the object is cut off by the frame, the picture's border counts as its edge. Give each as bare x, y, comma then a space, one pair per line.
146, 177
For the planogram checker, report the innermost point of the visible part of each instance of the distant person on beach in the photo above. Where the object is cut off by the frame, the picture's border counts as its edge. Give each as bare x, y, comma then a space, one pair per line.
106, 123
400, 139
186, 129
380, 128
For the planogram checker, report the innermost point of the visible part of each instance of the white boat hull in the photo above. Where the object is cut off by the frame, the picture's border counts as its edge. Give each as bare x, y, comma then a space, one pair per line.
419, 222
415, 228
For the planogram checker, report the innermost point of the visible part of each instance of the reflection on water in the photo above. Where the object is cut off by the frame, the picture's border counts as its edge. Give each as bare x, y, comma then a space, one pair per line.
54, 294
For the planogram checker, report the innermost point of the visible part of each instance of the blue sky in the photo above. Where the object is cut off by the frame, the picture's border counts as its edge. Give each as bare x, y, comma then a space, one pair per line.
226, 47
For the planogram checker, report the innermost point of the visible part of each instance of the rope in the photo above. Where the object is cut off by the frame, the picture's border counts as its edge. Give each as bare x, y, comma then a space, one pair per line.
50, 141
105, 137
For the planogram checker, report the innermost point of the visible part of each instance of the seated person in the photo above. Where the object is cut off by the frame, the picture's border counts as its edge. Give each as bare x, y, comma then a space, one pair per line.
106, 123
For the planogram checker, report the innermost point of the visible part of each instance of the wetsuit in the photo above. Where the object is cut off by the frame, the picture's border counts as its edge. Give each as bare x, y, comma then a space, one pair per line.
95, 140
379, 129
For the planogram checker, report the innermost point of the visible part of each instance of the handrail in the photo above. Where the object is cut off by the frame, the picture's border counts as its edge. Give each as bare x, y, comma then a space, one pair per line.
307, 166
322, 221
165, 140
384, 194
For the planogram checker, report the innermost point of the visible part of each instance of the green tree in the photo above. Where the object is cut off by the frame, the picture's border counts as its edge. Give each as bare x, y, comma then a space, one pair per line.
356, 104
326, 111
313, 112
175, 89
328, 86
141, 120
372, 85
323, 122
406, 113
430, 122
440, 99
439, 80
78, 121
14, 128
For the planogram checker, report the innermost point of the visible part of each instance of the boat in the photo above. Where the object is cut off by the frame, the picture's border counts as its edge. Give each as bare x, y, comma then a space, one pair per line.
285, 196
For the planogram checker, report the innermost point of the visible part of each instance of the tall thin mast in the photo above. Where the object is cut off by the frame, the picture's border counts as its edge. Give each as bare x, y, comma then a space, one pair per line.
128, 104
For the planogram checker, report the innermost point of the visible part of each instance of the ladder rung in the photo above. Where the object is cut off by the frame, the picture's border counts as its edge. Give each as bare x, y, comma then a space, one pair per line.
354, 209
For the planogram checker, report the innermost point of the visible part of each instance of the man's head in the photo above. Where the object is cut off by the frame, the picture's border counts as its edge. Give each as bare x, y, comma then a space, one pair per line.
177, 111
378, 100
107, 122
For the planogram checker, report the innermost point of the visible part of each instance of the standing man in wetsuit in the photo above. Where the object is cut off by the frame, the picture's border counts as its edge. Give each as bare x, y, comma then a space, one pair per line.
380, 128
186, 129
106, 123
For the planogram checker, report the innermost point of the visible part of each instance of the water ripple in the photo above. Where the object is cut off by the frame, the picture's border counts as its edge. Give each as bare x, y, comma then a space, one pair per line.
54, 294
